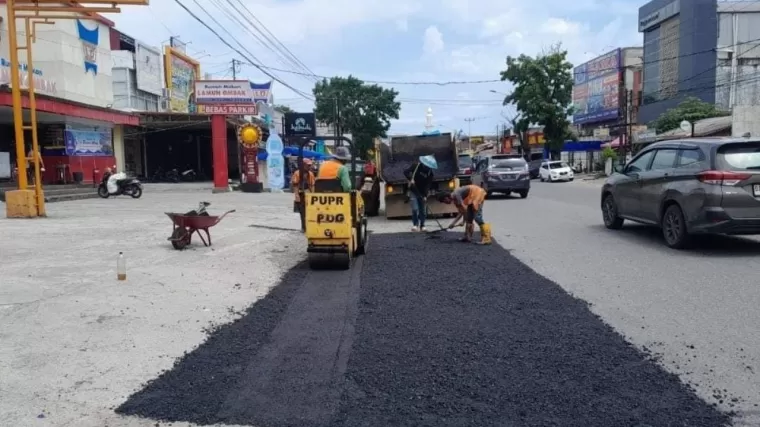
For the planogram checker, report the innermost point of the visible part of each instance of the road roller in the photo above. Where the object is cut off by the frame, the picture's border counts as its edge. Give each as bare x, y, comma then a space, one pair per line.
336, 223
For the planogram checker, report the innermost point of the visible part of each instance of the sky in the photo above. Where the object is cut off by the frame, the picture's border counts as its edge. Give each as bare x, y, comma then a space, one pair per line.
417, 47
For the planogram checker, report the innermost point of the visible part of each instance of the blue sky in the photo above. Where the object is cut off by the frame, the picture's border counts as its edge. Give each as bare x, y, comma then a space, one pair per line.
393, 41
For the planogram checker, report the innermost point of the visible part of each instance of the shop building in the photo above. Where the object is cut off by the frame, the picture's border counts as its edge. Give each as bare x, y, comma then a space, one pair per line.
680, 54
138, 86
605, 92
78, 130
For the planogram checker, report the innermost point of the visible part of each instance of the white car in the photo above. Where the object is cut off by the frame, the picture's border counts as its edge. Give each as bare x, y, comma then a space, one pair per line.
555, 171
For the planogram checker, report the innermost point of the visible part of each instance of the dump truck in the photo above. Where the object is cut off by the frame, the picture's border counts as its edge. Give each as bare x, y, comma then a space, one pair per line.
393, 158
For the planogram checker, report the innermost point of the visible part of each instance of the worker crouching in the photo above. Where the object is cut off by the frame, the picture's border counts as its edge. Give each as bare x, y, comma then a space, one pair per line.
306, 176
469, 201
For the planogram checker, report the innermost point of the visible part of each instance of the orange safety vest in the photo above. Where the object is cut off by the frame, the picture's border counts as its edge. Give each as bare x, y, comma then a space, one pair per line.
329, 169
475, 196
295, 181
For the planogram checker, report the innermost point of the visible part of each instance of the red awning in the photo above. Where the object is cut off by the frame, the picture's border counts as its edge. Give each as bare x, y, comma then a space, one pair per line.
65, 108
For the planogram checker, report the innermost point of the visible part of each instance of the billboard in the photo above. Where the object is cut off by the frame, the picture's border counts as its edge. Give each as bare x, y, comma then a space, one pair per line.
181, 72
262, 92
596, 89
148, 69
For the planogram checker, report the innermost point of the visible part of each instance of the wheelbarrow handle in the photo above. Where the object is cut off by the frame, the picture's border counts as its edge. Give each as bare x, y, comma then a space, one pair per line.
225, 214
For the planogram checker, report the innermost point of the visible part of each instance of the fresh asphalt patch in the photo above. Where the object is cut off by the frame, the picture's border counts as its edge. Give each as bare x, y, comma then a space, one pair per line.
424, 333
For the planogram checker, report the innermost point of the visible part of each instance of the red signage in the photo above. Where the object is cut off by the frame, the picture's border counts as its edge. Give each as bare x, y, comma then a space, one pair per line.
231, 110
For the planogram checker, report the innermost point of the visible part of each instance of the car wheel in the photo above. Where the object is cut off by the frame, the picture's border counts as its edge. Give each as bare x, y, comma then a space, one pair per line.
571, 179
610, 214
674, 228
542, 179
523, 194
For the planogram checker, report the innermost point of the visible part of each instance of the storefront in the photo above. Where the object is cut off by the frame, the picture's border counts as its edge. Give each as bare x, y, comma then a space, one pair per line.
78, 132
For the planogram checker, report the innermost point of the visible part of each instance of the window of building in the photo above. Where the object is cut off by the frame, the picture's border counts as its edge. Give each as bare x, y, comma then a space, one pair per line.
651, 75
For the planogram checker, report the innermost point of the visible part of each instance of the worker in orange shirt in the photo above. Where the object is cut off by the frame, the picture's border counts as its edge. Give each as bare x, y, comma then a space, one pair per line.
469, 200
306, 176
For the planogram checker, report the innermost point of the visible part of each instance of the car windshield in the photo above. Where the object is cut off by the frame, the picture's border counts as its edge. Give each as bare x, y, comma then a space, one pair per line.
557, 165
509, 164
739, 157
465, 161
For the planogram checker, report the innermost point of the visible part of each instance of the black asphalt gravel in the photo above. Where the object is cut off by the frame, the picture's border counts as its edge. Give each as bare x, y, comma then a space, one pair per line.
434, 333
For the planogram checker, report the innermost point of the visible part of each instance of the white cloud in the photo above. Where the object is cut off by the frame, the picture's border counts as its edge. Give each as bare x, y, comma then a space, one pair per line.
402, 25
432, 41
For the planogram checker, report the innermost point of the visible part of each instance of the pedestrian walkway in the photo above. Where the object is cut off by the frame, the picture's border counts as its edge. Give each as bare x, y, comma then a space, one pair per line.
435, 333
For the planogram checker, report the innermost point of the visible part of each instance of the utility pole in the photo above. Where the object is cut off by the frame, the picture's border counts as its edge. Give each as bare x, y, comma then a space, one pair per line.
235, 64
469, 121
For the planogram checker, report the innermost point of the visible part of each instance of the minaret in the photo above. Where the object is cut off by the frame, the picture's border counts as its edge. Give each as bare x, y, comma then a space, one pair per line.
429, 119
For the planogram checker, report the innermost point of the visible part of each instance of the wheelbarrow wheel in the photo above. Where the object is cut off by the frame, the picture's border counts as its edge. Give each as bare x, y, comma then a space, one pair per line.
180, 238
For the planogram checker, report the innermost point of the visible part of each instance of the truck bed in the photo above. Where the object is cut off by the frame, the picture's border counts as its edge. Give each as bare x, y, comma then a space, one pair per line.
404, 151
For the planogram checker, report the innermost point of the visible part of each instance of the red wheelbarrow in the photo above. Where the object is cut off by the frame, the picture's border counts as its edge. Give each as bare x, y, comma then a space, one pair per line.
184, 226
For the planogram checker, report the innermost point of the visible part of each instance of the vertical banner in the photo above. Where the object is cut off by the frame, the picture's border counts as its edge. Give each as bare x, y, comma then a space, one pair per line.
89, 40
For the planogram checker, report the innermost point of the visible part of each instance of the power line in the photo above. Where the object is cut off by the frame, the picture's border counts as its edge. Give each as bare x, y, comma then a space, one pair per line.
247, 57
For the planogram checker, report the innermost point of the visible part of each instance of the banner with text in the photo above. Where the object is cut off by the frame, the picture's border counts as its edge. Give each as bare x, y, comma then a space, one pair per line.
596, 89
88, 141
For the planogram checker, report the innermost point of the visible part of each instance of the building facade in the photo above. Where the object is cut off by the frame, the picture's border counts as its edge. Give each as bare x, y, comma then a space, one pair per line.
78, 131
679, 54
737, 80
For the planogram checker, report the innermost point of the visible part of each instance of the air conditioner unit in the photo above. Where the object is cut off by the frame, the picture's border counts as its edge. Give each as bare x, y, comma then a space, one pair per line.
164, 104
165, 93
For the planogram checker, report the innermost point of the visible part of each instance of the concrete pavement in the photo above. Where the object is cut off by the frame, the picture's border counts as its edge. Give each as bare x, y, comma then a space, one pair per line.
694, 310
76, 342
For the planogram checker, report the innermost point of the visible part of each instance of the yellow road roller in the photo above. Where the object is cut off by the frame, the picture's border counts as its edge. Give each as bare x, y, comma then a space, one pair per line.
336, 224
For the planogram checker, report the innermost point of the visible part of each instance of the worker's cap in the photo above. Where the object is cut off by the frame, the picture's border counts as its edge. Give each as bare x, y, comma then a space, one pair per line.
342, 153
429, 161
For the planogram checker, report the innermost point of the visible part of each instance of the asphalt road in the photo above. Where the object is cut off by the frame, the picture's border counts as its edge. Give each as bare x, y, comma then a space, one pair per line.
533, 331
696, 310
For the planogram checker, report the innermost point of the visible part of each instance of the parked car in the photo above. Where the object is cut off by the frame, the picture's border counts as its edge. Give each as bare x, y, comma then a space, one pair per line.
465, 169
502, 173
688, 187
555, 171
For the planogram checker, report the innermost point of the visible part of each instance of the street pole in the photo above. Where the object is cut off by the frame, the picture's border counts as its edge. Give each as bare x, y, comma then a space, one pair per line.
234, 68
469, 121
18, 203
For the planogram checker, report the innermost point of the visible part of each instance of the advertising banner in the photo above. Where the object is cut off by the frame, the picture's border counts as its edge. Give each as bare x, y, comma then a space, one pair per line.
88, 141
148, 69
224, 92
300, 124
596, 89
181, 73
262, 92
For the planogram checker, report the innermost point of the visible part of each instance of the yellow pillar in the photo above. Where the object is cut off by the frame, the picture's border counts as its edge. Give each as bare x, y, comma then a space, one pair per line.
118, 147
18, 203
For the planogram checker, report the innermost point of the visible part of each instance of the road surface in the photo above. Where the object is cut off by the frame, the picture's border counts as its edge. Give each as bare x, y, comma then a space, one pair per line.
420, 332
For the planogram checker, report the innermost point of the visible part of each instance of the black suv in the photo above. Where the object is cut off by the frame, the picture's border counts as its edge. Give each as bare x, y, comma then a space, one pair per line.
686, 187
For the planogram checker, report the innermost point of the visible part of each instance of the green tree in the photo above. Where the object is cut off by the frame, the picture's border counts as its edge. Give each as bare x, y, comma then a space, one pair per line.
691, 109
284, 109
543, 93
363, 110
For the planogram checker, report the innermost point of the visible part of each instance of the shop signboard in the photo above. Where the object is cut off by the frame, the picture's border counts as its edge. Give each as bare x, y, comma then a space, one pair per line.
41, 83
230, 110
148, 69
181, 72
88, 141
224, 92
596, 89
300, 124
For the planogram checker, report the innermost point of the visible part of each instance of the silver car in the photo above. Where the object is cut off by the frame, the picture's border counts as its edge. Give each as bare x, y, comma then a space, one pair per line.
504, 174
688, 187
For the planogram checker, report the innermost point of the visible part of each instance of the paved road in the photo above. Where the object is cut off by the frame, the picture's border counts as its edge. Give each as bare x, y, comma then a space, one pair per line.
696, 310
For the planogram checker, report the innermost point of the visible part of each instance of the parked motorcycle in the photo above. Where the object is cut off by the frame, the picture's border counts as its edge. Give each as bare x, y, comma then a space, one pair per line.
188, 175
161, 176
120, 184
172, 176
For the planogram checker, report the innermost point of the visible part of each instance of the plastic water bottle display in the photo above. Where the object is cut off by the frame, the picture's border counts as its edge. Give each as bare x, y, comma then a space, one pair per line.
275, 161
